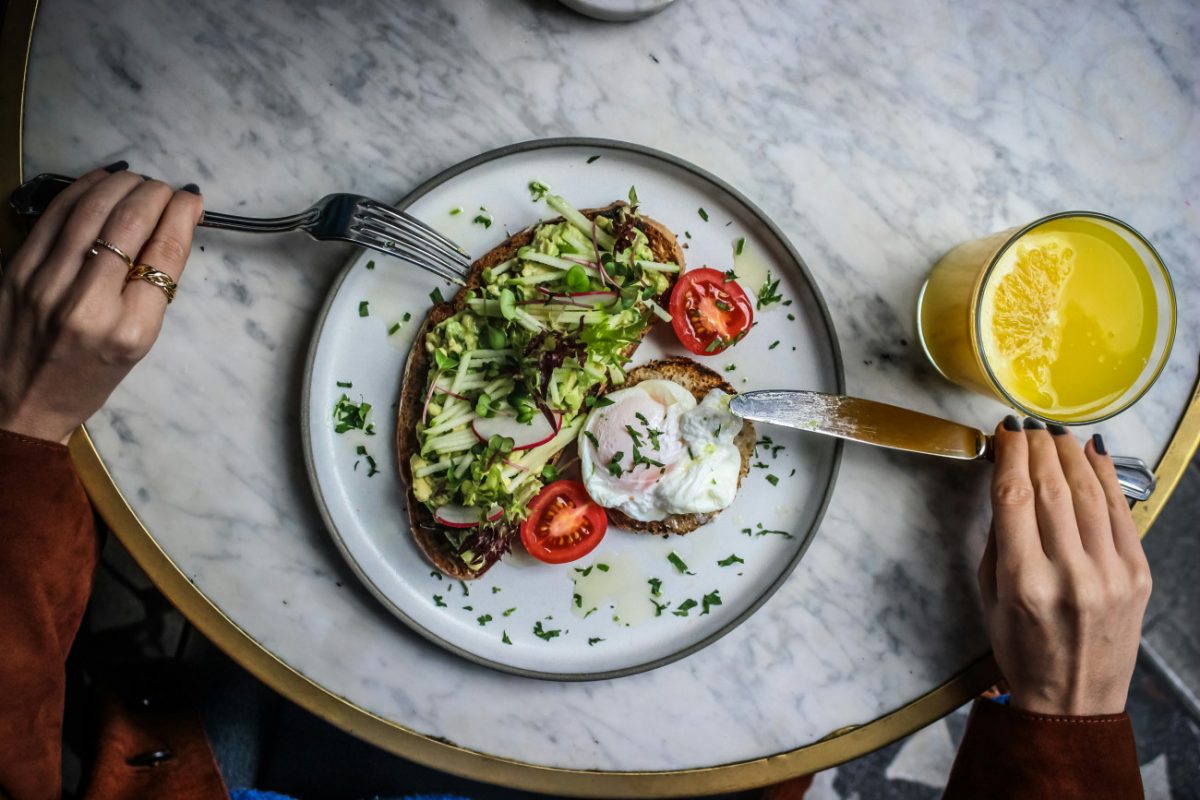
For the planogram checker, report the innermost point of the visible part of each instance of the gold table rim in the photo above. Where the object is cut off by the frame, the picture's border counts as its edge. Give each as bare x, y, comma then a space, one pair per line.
16, 33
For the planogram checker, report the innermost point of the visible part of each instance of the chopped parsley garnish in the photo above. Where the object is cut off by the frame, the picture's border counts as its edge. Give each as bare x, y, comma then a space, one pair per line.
468, 608
495, 590
592, 401
590, 611
773, 480
537, 190
436, 295
602, 567
394, 327
793, 472
691, 455
730, 275
345, 384
688, 234
348, 415
792, 317
741, 244
544, 634
655, 587
773, 345
508, 612
653, 433
466, 591
659, 607
371, 264
483, 218
363, 311
709, 600
768, 293
454, 212
373, 470
592, 438
578, 598
595, 639
703, 214
592, 159
614, 465
678, 563
723, 306
438, 601
733, 559
504, 637
484, 620
761, 531
433, 573
761, 465
685, 607
633, 201
634, 436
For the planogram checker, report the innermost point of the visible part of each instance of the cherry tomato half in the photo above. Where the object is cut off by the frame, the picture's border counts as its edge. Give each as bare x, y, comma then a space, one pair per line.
709, 311
564, 523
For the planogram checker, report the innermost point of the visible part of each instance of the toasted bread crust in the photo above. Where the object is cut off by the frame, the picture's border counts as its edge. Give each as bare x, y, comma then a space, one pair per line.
699, 380
429, 536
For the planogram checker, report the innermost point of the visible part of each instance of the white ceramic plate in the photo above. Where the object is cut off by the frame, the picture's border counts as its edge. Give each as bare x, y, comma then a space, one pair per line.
367, 517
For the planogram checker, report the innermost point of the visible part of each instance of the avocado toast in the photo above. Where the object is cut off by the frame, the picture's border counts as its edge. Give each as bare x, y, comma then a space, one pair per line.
501, 377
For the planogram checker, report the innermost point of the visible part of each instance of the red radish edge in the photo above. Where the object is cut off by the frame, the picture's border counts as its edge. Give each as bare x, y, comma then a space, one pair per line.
429, 396
496, 513
444, 390
555, 422
457, 516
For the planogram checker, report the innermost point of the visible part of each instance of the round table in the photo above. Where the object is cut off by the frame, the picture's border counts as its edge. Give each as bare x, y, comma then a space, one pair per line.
876, 135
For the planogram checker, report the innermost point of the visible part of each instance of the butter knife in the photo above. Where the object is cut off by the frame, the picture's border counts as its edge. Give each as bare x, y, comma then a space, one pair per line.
885, 425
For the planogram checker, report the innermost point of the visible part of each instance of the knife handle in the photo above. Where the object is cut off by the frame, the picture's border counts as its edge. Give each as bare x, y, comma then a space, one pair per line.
1136, 480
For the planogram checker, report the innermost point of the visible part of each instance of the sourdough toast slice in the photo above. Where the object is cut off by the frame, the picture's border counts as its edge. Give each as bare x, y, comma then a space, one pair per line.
699, 380
494, 540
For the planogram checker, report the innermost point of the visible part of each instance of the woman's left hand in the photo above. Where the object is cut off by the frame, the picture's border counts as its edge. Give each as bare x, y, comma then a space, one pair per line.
71, 327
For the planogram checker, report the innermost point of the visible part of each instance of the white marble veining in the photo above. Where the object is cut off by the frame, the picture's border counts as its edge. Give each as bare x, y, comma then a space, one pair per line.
876, 134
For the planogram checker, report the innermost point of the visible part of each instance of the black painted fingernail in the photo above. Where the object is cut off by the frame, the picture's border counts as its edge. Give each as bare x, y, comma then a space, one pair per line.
1032, 424
1011, 423
117, 166
144, 177
193, 188
1098, 444
1056, 429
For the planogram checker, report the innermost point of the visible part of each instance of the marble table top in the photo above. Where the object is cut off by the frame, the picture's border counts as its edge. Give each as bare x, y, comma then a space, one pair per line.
876, 134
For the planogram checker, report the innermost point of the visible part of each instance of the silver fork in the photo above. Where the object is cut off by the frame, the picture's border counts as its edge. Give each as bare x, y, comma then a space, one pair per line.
340, 217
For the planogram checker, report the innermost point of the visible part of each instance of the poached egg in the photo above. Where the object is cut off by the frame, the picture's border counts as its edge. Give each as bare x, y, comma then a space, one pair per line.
654, 451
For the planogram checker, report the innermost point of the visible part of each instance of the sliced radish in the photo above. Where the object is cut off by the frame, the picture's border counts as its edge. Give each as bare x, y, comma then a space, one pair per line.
458, 516
525, 435
495, 513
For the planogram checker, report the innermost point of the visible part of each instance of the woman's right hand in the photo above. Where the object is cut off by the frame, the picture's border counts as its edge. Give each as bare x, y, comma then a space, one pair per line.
1064, 578
71, 327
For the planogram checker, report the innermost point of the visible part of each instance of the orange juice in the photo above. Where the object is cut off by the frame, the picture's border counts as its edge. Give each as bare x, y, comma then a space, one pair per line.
1069, 319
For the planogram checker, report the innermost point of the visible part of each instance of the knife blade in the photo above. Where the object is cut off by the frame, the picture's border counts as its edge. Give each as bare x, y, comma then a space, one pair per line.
885, 425
861, 420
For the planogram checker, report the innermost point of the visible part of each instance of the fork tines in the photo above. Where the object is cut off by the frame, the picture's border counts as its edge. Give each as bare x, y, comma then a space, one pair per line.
389, 224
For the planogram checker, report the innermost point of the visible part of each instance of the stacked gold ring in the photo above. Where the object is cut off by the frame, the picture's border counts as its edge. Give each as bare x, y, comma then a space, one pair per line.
154, 276
94, 251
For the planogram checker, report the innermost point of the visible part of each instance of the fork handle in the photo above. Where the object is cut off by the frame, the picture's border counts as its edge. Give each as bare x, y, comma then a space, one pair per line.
31, 199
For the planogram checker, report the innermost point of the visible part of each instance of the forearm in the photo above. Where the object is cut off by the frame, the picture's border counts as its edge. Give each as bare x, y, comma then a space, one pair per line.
48, 552
1008, 754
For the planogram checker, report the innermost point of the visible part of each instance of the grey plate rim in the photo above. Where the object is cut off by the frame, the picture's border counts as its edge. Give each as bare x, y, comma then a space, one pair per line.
494, 155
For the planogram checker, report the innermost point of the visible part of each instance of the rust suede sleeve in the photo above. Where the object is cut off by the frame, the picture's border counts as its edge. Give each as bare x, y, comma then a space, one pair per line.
48, 552
1009, 754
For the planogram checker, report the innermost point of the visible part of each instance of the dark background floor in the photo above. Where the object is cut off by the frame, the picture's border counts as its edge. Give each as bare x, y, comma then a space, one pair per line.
276, 745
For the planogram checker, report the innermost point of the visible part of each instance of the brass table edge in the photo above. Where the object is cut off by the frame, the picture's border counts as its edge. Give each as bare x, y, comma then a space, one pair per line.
16, 32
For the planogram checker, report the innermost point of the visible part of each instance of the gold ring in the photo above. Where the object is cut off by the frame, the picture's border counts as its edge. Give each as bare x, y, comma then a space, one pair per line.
93, 252
155, 276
